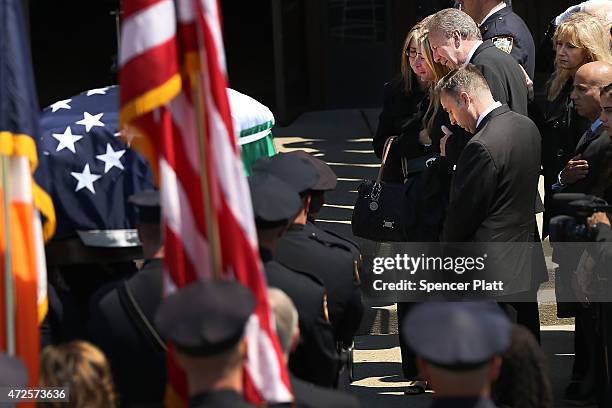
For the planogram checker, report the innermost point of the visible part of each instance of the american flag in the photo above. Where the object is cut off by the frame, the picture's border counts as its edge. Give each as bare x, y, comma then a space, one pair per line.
90, 170
172, 73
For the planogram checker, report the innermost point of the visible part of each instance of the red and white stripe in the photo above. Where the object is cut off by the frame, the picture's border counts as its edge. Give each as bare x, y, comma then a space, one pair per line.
157, 29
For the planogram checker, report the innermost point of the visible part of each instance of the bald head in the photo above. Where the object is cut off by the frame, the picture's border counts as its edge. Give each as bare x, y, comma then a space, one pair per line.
286, 318
597, 73
588, 81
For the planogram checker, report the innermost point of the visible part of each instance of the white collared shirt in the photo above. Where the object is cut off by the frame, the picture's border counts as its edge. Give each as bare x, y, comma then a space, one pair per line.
493, 11
471, 54
495, 105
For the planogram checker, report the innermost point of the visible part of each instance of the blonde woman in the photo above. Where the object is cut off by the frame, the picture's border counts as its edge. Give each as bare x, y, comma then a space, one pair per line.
579, 39
403, 107
82, 368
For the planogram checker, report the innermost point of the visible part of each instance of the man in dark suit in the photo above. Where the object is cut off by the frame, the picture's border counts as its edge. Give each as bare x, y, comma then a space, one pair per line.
582, 174
455, 40
306, 395
308, 251
120, 320
494, 187
506, 30
275, 204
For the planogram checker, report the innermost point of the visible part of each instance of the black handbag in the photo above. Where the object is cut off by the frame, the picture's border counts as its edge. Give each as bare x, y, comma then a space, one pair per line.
382, 211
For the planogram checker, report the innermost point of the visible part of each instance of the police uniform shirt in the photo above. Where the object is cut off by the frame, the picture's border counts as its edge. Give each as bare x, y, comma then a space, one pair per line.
305, 250
218, 399
315, 359
310, 396
336, 239
138, 364
510, 34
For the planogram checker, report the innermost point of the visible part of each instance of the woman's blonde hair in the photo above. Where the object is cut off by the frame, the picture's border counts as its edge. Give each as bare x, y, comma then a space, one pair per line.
439, 71
417, 32
83, 368
584, 31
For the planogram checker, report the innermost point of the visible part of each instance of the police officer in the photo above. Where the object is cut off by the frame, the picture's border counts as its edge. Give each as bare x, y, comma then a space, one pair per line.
459, 348
275, 204
305, 395
304, 250
120, 319
327, 182
206, 326
500, 24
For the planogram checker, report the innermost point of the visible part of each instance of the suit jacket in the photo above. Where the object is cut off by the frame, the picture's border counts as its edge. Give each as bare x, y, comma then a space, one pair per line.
316, 358
504, 76
493, 191
139, 368
510, 33
595, 149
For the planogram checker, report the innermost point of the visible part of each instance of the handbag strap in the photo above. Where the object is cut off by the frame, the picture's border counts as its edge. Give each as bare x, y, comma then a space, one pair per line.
386, 149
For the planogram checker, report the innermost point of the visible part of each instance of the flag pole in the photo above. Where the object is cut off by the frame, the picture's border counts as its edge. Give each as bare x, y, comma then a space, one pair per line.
212, 225
8, 273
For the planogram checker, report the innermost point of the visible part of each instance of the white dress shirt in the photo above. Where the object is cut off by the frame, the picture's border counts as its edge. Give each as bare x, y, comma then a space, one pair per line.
494, 105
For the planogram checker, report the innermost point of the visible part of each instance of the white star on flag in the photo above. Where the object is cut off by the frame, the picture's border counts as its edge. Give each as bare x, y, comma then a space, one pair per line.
85, 179
111, 158
97, 91
66, 140
90, 120
60, 105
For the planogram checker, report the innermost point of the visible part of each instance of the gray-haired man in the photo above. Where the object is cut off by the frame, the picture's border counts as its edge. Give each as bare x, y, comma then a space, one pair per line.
455, 41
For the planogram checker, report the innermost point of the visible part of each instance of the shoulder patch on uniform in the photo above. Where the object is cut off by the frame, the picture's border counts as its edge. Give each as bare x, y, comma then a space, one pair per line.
504, 43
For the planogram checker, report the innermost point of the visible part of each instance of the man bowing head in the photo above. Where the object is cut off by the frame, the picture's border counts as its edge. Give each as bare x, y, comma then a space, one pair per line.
494, 187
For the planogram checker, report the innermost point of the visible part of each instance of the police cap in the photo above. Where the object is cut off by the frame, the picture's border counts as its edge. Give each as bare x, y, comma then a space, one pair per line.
296, 171
204, 318
148, 204
457, 335
327, 178
274, 201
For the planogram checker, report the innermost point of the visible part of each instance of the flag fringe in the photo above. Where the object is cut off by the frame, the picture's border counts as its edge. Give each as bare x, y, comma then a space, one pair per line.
18, 144
150, 100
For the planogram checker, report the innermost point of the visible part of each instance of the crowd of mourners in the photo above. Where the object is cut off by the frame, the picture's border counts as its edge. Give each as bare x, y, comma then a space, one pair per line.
465, 117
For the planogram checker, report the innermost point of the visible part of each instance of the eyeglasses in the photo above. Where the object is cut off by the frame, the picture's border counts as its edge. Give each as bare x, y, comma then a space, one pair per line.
412, 53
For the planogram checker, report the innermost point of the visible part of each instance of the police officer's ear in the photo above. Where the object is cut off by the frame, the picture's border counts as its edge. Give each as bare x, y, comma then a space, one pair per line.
423, 369
306, 202
242, 348
295, 340
495, 368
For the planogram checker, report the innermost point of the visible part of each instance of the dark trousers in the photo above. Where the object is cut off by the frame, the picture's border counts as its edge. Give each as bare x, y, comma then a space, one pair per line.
409, 366
525, 312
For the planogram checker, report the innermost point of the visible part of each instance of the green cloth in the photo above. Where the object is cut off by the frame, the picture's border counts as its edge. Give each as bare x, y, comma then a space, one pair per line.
254, 150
